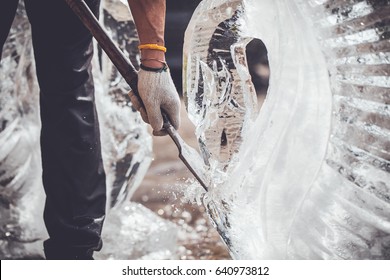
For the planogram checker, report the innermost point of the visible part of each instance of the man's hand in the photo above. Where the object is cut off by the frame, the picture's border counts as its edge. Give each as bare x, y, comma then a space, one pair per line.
158, 94
156, 89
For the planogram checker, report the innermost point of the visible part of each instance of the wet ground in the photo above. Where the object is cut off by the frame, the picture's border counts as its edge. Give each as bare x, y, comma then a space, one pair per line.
161, 191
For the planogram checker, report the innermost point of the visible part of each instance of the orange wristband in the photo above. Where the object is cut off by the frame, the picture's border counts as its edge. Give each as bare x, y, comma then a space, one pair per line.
152, 47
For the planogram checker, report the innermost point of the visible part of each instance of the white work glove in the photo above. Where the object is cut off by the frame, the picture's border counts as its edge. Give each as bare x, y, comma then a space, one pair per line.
158, 93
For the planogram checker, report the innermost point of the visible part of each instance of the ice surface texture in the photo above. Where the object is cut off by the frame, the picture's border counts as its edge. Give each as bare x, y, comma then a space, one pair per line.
126, 142
310, 173
21, 189
136, 232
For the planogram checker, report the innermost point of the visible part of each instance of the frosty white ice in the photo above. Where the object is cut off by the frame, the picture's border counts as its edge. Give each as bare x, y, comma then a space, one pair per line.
310, 173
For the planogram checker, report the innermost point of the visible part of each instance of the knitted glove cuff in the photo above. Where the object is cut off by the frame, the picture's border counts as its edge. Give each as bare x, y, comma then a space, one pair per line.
156, 70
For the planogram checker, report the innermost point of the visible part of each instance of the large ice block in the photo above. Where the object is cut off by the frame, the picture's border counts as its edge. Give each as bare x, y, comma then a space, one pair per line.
126, 143
218, 88
21, 189
311, 171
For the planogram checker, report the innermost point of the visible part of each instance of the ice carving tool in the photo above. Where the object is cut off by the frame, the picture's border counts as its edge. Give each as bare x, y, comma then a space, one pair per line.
187, 154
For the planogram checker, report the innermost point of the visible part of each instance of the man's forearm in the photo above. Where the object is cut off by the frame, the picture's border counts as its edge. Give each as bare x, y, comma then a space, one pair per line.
149, 17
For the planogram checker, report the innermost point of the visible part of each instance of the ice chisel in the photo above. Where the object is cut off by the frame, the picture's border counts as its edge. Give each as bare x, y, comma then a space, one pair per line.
186, 153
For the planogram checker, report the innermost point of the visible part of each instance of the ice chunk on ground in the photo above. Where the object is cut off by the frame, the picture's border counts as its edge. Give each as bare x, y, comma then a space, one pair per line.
133, 232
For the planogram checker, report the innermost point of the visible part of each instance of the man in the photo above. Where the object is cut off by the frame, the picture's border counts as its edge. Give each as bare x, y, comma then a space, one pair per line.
73, 175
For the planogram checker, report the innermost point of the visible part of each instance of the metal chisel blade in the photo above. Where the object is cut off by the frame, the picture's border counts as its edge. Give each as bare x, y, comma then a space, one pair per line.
190, 157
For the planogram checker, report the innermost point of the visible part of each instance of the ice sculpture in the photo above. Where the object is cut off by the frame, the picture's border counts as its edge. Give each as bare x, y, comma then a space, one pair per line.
310, 173
21, 189
126, 142
127, 146
219, 92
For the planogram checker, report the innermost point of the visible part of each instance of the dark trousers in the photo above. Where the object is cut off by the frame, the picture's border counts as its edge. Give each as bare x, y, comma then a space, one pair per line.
73, 174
